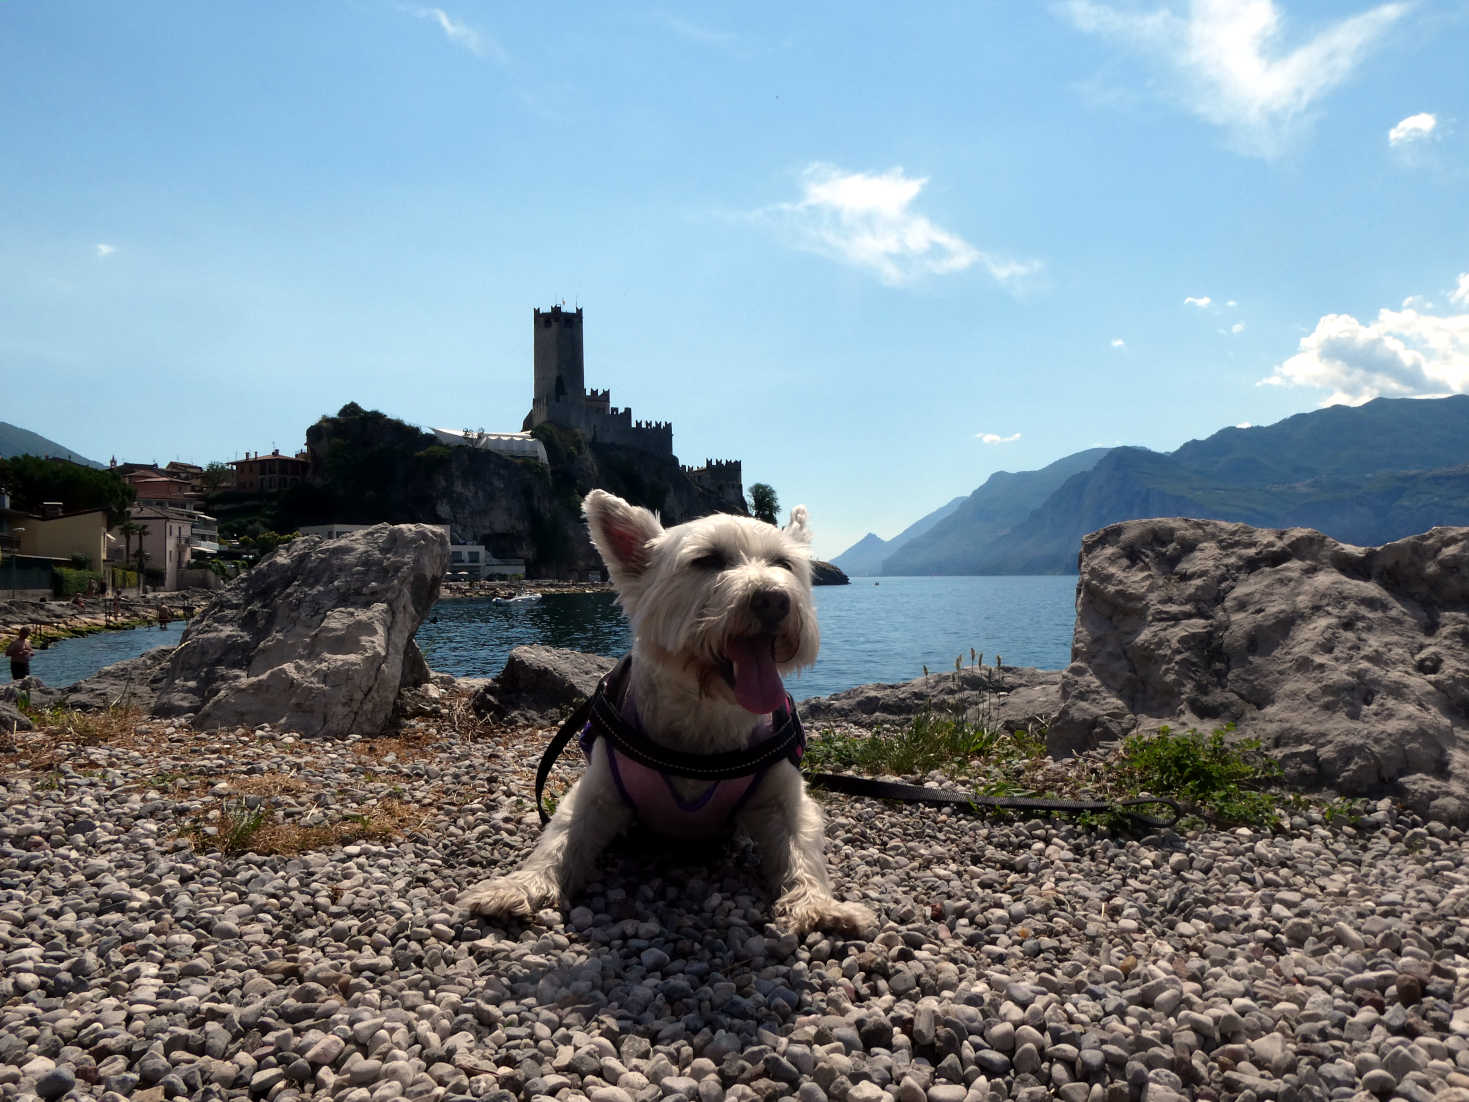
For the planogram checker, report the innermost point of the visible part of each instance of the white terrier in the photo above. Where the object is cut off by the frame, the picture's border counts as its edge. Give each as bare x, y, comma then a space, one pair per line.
720, 608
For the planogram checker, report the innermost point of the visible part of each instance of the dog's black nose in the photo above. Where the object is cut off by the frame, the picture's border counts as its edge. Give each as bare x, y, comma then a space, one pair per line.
770, 607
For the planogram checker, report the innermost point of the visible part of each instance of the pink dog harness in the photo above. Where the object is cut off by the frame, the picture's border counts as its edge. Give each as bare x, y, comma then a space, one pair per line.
642, 769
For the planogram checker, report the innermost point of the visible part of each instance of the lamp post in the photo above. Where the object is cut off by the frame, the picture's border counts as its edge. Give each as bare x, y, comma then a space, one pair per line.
13, 556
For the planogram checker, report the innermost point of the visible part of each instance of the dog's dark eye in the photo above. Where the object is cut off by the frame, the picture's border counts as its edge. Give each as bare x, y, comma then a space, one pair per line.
709, 560
782, 564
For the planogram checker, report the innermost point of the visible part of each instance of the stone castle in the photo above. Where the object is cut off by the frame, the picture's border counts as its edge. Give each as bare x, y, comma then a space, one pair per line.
561, 398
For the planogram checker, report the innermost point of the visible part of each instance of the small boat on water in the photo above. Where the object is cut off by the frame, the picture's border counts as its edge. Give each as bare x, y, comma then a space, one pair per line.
516, 599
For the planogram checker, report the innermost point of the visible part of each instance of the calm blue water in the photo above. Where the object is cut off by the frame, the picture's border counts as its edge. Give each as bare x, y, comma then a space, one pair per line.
73, 659
876, 629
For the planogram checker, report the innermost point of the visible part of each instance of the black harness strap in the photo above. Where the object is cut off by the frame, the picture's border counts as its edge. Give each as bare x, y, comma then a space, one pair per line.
602, 711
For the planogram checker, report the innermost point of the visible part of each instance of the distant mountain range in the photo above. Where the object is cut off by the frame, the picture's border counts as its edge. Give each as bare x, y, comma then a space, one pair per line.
866, 556
15, 440
1364, 475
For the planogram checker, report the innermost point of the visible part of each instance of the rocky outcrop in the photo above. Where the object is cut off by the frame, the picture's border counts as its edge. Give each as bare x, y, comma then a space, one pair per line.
540, 684
131, 683
1350, 664
1016, 698
368, 467
824, 573
315, 639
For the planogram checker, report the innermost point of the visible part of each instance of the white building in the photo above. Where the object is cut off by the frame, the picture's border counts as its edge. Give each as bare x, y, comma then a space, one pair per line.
471, 560
172, 538
521, 445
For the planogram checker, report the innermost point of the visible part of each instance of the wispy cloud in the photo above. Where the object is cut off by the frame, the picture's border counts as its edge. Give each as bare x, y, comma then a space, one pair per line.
1415, 128
104, 249
1118, 342
867, 220
698, 32
1226, 63
1202, 301
1401, 353
461, 33
1237, 328
996, 438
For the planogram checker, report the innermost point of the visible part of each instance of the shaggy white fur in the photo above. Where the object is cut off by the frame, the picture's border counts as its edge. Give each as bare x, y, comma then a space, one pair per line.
720, 608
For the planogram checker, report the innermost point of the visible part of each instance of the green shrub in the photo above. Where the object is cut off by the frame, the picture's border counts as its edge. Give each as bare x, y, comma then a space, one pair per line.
67, 581
1222, 778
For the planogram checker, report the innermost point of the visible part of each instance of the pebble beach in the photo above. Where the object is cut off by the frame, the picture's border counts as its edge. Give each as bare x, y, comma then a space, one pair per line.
322, 956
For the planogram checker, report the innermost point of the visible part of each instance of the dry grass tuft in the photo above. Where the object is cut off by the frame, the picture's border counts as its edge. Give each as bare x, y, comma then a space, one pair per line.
240, 829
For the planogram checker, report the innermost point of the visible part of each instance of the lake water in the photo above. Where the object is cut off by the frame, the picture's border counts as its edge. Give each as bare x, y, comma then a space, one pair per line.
876, 629
73, 659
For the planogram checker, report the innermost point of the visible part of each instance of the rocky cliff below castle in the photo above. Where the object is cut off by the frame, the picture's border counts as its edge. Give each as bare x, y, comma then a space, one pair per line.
367, 467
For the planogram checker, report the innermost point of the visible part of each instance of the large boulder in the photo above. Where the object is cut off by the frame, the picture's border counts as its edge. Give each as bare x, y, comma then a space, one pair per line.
315, 639
540, 684
1350, 663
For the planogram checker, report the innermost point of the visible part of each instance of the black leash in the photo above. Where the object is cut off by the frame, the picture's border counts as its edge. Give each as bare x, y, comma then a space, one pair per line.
949, 797
606, 719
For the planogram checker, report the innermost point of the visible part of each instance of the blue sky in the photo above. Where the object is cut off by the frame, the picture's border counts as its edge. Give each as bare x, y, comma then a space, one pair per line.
877, 257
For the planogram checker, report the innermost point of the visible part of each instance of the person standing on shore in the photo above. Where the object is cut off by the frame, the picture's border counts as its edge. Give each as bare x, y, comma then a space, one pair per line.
19, 653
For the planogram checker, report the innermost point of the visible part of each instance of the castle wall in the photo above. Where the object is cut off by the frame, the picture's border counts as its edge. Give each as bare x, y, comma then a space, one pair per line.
722, 477
561, 396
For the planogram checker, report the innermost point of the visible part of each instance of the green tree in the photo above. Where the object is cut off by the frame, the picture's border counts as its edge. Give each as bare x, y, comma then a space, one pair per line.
764, 505
32, 481
216, 477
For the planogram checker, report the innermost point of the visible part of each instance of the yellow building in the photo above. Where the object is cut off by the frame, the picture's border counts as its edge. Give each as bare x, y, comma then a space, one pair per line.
64, 535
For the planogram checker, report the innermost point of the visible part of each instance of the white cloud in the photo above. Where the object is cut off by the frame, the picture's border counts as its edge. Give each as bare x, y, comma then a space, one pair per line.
1402, 353
698, 32
1244, 425
461, 34
1201, 302
1228, 65
1415, 128
104, 249
1460, 294
1231, 304
867, 220
1118, 342
1237, 328
996, 438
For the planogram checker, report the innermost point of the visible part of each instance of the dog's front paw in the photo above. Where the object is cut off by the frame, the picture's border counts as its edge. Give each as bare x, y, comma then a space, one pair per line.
828, 915
519, 895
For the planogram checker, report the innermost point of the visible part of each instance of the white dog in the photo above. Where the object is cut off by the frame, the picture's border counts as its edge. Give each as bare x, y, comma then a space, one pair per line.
720, 608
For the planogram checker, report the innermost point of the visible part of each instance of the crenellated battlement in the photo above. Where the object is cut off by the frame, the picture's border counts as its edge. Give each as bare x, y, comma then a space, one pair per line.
561, 397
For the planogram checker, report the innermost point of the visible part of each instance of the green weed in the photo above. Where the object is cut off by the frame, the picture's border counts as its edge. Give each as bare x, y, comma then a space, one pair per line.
1223, 780
929, 741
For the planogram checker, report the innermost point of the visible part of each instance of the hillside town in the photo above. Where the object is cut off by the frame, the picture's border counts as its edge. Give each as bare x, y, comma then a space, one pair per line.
181, 525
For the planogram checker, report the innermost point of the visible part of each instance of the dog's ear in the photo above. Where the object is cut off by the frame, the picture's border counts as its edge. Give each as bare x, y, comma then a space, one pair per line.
798, 528
621, 533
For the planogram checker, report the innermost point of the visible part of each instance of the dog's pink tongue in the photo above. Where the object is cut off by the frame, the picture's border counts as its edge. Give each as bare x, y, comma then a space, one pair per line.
757, 686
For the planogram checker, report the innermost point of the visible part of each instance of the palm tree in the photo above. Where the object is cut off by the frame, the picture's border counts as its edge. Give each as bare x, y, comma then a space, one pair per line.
763, 502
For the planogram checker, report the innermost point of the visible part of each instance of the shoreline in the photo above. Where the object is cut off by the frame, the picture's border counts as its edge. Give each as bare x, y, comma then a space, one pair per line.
460, 591
53, 621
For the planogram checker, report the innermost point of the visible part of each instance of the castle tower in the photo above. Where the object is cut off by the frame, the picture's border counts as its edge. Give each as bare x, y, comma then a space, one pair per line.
560, 368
